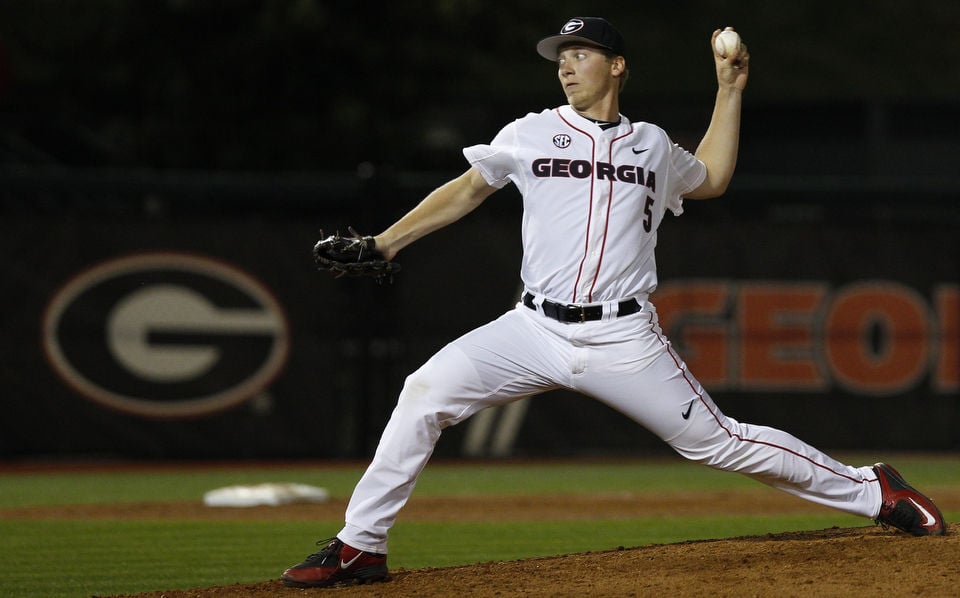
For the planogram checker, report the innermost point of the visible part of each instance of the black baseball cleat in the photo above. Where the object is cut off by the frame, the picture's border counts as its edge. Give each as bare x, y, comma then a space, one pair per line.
904, 508
337, 562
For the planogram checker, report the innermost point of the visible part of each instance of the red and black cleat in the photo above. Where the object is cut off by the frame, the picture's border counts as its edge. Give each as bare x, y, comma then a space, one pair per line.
904, 508
337, 562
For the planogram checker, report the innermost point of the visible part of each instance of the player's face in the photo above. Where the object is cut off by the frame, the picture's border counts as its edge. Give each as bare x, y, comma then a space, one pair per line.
586, 76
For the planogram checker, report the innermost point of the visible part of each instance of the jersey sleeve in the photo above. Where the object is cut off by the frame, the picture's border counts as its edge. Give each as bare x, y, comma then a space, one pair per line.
497, 162
688, 173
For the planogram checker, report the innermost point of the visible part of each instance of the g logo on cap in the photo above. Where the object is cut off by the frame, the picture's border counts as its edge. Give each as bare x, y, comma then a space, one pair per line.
592, 31
571, 26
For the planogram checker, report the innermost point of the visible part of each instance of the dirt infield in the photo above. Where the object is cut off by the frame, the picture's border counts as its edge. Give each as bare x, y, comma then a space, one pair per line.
862, 561
837, 562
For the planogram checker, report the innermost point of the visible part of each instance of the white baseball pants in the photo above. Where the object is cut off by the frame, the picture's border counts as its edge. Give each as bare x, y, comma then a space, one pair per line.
628, 364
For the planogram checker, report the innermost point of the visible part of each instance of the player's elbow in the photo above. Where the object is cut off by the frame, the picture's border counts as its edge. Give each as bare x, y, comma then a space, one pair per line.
709, 189
719, 172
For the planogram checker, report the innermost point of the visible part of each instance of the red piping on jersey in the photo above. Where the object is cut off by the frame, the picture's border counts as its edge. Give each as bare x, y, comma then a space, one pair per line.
586, 236
731, 434
606, 224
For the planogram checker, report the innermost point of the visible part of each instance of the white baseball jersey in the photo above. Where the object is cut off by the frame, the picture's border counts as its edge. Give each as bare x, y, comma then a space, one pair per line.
593, 200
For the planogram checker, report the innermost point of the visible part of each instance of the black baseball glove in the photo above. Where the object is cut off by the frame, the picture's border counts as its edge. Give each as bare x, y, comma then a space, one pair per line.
352, 256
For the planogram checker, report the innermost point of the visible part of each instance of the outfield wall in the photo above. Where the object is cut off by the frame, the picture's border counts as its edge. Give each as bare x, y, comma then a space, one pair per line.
159, 317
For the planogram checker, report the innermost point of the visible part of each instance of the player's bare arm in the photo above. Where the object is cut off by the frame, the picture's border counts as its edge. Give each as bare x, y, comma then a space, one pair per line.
720, 144
446, 204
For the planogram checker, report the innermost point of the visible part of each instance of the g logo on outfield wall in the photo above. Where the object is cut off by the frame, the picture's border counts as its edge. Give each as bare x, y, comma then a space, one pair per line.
166, 335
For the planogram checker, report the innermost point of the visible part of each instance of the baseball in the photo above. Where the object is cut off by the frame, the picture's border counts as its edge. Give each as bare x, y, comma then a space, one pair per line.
728, 44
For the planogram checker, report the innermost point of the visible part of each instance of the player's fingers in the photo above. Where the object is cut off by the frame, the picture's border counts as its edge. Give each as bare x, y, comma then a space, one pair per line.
743, 58
713, 39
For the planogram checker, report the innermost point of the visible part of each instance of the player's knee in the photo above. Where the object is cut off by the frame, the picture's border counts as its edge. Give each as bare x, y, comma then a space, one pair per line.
702, 455
711, 448
415, 388
422, 400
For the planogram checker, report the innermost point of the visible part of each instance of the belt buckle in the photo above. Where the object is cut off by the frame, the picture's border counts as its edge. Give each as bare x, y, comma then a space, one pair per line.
583, 313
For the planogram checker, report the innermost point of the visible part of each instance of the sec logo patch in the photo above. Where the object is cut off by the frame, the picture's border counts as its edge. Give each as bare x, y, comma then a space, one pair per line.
562, 140
165, 335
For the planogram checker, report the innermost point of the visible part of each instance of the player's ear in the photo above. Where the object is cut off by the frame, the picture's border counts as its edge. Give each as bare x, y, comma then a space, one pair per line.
618, 65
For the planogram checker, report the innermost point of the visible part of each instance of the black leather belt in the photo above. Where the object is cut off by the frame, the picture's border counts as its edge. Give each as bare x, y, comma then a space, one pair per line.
579, 313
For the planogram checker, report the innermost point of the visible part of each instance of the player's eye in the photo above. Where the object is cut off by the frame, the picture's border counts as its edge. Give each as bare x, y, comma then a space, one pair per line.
576, 56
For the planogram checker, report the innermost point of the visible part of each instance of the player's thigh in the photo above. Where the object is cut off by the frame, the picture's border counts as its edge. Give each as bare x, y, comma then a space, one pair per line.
495, 364
654, 389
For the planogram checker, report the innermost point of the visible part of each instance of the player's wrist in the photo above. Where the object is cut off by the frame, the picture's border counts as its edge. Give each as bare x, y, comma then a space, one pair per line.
384, 245
729, 92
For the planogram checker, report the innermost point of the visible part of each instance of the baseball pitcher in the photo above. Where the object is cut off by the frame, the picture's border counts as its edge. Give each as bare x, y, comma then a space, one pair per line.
595, 188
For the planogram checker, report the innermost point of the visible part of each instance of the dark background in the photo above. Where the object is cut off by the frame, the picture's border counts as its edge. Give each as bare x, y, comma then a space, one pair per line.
239, 129
273, 85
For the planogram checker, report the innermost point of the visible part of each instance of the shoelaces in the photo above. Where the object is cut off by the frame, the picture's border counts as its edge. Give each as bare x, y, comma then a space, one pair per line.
902, 516
331, 549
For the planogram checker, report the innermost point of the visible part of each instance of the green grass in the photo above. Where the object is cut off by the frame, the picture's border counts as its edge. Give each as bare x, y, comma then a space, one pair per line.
443, 544
128, 556
23, 489
460, 479
85, 558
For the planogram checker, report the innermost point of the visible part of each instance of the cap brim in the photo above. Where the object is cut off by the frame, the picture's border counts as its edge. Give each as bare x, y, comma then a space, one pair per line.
548, 47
